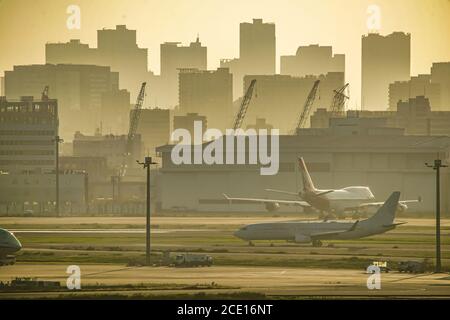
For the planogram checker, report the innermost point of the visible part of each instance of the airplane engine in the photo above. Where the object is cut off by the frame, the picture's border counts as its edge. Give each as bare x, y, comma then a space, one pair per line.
272, 206
302, 239
402, 207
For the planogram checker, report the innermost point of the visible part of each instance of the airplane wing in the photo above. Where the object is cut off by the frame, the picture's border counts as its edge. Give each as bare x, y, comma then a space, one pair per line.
379, 204
330, 234
264, 201
282, 191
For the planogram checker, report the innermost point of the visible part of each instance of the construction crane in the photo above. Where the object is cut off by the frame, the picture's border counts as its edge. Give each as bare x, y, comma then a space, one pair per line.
338, 103
307, 107
44, 96
134, 121
244, 106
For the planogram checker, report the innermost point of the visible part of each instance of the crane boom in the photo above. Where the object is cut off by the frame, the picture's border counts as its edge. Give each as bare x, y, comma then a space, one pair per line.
244, 106
134, 121
307, 106
338, 103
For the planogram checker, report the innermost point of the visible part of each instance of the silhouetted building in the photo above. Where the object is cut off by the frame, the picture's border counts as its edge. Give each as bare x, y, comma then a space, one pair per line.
33, 193
115, 110
280, 98
414, 116
312, 60
111, 147
27, 131
187, 122
78, 89
440, 74
208, 93
154, 128
257, 53
385, 59
117, 48
416, 86
175, 57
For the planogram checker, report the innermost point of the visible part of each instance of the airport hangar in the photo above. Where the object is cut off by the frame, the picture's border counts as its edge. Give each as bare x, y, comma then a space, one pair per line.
352, 151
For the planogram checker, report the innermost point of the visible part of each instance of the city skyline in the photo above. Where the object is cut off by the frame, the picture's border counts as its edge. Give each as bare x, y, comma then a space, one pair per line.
343, 31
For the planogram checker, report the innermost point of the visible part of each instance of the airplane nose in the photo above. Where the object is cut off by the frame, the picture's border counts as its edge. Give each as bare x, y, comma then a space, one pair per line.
238, 234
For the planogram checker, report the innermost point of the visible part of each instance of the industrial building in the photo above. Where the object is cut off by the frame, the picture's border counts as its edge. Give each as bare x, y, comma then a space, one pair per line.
350, 152
34, 193
414, 115
187, 122
384, 60
78, 89
312, 60
278, 97
111, 147
28, 129
209, 93
257, 53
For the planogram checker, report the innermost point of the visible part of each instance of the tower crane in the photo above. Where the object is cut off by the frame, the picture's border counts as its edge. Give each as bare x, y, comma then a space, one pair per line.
338, 103
244, 106
307, 106
134, 121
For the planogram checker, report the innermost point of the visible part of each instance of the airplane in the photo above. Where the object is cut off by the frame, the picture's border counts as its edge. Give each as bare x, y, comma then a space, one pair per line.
9, 245
358, 199
316, 231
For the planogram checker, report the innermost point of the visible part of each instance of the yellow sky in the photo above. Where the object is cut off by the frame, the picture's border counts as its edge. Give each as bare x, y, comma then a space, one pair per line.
26, 25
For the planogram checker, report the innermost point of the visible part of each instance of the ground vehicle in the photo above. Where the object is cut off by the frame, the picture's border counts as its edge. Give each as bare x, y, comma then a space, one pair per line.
383, 265
192, 260
412, 266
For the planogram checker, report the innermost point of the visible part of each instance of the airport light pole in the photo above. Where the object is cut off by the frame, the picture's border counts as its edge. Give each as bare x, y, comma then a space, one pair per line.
57, 141
146, 164
437, 166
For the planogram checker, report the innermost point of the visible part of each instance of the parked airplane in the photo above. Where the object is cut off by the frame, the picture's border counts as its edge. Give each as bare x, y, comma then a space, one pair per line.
316, 231
353, 198
9, 244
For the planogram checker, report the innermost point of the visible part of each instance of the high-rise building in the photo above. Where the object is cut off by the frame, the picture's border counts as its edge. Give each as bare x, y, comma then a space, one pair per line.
207, 93
280, 98
417, 86
187, 122
385, 59
312, 60
117, 48
154, 128
257, 53
78, 89
440, 74
27, 132
115, 110
174, 57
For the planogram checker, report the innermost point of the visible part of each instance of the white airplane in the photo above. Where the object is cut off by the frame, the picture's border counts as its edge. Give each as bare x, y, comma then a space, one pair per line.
354, 198
316, 231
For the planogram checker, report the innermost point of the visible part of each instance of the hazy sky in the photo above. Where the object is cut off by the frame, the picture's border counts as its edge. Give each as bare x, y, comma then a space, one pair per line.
26, 25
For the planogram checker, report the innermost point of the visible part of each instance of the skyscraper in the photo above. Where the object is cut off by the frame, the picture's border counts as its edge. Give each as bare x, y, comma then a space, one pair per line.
208, 93
385, 59
174, 57
257, 53
440, 75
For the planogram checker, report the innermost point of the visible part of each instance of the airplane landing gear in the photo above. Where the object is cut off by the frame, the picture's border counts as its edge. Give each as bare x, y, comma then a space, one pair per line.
251, 244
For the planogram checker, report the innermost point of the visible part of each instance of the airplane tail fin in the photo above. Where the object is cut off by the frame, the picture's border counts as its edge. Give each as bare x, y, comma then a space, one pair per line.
308, 184
385, 215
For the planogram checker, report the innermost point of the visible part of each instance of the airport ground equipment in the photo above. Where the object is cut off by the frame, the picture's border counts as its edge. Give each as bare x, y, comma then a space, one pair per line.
339, 98
244, 106
193, 260
307, 106
383, 265
412, 266
134, 122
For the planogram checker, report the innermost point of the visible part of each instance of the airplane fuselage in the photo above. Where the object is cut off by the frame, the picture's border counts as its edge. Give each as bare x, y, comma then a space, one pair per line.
339, 200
